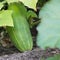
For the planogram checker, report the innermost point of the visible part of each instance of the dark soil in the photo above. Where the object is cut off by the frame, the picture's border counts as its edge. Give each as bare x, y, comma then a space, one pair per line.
9, 52
35, 54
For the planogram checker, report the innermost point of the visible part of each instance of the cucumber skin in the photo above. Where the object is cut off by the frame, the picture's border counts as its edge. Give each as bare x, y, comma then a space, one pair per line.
20, 34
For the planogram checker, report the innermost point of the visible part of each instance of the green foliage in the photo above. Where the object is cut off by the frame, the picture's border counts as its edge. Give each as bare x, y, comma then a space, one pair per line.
6, 18
56, 57
11, 1
49, 28
1, 4
29, 3
15, 17
31, 13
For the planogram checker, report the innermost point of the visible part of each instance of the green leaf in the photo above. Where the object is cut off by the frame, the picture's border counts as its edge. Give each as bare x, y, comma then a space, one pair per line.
56, 57
30, 3
49, 28
1, 5
11, 1
31, 13
6, 18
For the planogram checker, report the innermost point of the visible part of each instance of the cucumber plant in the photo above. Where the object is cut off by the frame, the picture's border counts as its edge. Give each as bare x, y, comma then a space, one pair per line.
17, 23
49, 28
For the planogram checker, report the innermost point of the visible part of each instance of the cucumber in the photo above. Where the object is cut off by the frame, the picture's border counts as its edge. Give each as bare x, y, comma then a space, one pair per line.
20, 34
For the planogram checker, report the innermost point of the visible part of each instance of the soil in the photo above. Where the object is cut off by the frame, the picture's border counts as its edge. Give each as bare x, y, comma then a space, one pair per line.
35, 54
9, 52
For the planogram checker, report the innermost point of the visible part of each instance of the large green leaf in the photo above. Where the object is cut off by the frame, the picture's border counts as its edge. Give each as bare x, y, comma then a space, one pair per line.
1, 4
6, 18
30, 3
49, 29
56, 57
10, 1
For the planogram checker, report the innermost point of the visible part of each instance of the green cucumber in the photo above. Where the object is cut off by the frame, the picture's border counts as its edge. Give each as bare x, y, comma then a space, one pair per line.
20, 33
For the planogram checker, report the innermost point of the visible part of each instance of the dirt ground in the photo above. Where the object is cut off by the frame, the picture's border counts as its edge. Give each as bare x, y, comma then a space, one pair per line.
35, 54
9, 52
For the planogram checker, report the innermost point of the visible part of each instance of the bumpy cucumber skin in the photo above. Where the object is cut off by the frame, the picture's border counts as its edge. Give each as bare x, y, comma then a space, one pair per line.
20, 33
